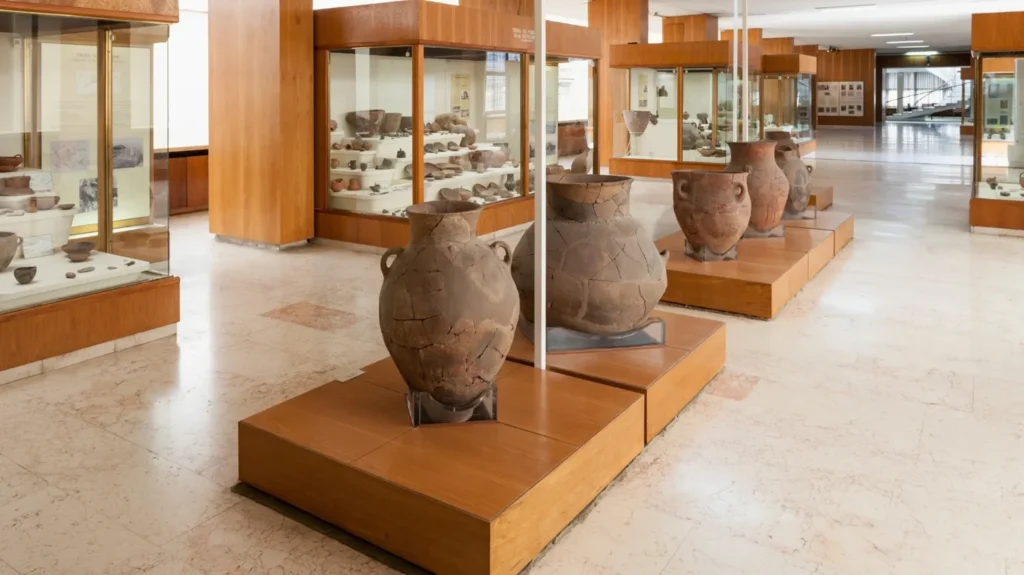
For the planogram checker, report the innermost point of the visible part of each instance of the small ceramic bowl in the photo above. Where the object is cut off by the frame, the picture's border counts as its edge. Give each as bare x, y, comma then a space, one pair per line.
25, 274
67, 206
10, 163
17, 182
46, 202
78, 251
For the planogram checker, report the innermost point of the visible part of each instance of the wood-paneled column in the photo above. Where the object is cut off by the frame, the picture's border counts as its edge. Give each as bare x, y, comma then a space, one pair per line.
695, 28
261, 120
621, 22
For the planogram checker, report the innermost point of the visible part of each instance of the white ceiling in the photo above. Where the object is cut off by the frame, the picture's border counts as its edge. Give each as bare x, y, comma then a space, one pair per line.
944, 25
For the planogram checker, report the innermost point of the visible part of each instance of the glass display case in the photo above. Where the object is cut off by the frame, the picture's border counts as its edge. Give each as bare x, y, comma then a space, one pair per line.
569, 112
83, 161
651, 115
999, 135
471, 121
786, 101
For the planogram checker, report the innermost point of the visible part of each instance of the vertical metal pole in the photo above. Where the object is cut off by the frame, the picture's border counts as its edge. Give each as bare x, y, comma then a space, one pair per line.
540, 203
104, 141
735, 67
746, 76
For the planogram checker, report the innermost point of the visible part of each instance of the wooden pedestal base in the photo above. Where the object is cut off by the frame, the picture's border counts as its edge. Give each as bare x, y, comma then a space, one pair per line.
821, 197
668, 376
643, 168
473, 498
767, 272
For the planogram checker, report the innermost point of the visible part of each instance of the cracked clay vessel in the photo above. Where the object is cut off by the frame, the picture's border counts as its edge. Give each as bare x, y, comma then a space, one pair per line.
448, 307
604, 273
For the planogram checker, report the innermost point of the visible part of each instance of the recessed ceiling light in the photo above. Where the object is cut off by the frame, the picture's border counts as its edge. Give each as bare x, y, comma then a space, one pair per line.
849, 7
922, 53
892, 34
904, 41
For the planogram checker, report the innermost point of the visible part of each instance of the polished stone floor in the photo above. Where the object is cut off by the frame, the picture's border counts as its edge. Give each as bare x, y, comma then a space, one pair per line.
876, 426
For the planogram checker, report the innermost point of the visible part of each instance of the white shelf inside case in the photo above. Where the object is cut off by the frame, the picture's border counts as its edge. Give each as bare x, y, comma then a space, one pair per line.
366, 178
389, 146
360, 156
397, 197
468, 179
51, 283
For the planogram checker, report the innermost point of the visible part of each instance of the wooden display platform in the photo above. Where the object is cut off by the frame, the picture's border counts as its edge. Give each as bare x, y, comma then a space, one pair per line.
767, 272
821, 197
474, 498
668, 376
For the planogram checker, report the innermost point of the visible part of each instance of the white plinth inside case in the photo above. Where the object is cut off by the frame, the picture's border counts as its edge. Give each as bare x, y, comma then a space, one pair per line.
51, 284
397, 198
55, 223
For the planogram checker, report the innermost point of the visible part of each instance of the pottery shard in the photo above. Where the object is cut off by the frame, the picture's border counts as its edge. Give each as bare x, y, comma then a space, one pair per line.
450, 194
366, 121
86, 270
468, 135
70, 275
447, 121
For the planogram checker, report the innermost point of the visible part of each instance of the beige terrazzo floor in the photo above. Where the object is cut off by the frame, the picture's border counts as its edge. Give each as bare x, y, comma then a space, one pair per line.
877, 426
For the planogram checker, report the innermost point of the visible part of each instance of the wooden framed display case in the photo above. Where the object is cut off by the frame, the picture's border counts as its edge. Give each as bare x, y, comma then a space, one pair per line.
676, 109
787, 90
418, 101
84, 241
967, 101
997, 202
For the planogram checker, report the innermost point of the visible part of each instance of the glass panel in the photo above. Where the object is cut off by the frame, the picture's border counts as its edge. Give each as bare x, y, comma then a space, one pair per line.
474, 144
804, 105
1002, 137
370, 108
754, 127
652, 121
570, 109
51, 192
698, 133
967, 105
140, 181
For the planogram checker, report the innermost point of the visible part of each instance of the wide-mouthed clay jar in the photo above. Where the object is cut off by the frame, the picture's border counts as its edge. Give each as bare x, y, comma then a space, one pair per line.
448, 307
713, 209
767, 184
365, 121
638, 120
781, 137
604, 272
798, 175
9, 243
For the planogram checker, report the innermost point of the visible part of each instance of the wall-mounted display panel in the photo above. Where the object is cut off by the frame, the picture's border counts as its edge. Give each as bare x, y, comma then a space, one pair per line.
83, 191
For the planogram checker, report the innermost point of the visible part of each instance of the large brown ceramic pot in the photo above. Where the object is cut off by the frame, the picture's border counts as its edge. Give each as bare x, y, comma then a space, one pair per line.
767, 184
713, 209
799, 177
638, 120
604, 272
9, 243
448, 307
365, 121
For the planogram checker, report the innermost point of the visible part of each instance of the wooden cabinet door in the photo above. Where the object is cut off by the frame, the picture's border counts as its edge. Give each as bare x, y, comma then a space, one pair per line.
198, 182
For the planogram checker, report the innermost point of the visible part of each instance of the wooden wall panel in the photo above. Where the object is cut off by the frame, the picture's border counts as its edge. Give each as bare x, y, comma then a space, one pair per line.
136, 10
695, 28
261, 120
688, 54
853, 66
573, 41
177, 183
997, 32
777, 46
197, 192
366, 229
513, 7
997, 65
620, 22
391, 23
65, 326
789, 64
447, 25
755, 35
807, 49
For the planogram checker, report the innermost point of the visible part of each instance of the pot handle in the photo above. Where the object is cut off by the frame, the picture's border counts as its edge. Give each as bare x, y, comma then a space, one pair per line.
681, 189
810, 169
508, 251
384, 267
743, 190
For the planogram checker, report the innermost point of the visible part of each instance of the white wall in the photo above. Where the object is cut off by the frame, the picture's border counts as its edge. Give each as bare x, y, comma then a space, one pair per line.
181, 92
697, 94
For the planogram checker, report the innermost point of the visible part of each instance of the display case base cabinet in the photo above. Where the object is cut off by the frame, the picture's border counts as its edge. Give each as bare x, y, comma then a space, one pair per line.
668, 376
463, 499
43, 332
996, 214
767, 272
966, 130
391, 232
